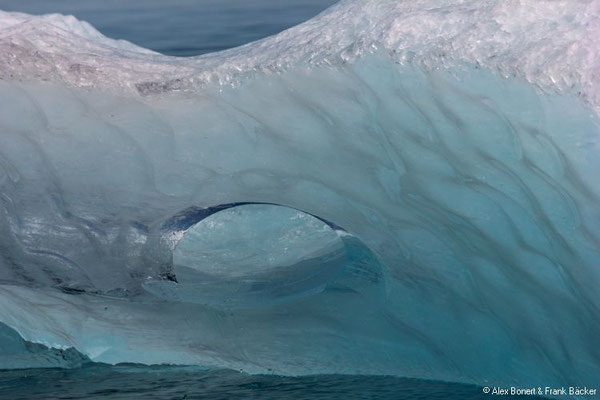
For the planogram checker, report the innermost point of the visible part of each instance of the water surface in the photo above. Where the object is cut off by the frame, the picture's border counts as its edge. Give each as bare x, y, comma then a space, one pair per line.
98, 381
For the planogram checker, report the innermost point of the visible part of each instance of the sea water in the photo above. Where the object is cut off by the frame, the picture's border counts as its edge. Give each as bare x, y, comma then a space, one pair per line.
131, 381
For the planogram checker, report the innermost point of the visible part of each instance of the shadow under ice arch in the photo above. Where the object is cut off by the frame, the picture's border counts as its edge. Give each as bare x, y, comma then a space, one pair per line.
249, 254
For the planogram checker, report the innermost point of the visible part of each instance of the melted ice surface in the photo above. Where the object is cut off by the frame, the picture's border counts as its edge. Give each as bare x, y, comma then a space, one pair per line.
550, 44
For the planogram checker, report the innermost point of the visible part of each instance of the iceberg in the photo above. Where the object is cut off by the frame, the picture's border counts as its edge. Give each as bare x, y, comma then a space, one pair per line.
403, 188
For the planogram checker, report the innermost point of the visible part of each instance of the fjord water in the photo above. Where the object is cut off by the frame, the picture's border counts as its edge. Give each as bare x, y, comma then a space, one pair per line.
461, 187
136, 382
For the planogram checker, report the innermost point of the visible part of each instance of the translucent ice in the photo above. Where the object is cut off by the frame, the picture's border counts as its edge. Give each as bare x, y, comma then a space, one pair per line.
453, 146
15, 353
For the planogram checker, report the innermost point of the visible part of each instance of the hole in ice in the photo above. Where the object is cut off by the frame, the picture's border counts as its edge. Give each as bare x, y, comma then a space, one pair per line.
253, 239
248, 254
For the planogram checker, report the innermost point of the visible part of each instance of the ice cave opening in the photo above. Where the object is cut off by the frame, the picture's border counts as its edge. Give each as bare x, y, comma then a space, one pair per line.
246, 254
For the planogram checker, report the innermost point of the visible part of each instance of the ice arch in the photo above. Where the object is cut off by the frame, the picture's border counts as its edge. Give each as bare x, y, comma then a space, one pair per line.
249, 254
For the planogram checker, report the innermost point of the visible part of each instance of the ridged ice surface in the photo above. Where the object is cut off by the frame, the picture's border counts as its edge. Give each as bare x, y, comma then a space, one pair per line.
455, 144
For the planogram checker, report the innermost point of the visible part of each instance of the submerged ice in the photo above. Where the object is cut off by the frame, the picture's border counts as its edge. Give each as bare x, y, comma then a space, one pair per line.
442, 159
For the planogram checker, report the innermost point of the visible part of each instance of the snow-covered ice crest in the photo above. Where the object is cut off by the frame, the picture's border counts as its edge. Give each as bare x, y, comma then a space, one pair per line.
552, 44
